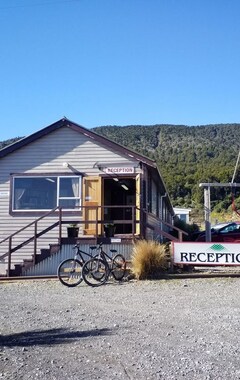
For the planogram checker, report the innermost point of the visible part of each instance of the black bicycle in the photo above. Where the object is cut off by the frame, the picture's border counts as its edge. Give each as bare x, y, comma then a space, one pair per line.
69, 271
96, 271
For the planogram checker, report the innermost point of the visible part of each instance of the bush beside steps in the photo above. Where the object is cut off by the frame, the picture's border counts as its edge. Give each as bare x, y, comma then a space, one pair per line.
149, 260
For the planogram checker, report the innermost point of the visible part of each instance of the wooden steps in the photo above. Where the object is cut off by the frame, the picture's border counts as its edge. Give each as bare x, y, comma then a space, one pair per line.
20, 268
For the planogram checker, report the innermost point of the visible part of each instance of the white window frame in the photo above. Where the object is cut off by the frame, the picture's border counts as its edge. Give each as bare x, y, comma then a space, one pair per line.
78, 198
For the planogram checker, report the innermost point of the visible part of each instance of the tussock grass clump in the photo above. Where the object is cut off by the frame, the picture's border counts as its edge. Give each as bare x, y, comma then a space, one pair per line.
149, 259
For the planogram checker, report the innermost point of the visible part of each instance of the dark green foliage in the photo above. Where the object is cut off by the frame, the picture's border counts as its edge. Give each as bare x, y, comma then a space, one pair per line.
191, 229
5, 143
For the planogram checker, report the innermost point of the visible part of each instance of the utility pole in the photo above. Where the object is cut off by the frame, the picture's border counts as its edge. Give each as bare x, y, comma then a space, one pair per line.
207, 212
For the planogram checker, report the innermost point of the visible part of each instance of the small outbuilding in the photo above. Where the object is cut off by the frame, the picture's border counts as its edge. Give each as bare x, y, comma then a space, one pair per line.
182, 213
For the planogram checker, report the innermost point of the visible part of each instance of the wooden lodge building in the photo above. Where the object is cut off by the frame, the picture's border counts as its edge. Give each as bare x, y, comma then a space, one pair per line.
65, 174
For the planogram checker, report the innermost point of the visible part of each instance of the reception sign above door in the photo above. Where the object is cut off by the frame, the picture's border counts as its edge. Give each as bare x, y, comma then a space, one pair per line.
120, 170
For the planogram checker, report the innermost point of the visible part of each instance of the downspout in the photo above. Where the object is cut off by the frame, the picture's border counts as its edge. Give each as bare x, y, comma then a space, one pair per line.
161, 208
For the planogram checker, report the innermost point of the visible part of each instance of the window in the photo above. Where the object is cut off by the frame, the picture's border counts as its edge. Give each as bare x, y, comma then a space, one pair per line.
45, 193
154, 208
183, 217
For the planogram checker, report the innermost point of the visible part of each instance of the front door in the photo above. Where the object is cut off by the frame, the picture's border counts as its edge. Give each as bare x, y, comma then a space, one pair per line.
120, 196
92, 199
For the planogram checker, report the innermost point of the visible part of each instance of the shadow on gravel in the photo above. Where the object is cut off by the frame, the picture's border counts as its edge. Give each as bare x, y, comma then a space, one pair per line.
47, 337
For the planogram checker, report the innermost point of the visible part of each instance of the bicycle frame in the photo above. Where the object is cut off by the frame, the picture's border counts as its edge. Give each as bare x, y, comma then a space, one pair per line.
79, 252
105, 257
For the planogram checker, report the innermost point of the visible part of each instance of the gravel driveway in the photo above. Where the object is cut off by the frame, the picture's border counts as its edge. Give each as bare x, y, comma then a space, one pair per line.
165, 329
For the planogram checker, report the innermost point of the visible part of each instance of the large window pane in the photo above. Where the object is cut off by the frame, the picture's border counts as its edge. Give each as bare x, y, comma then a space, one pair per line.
35, 193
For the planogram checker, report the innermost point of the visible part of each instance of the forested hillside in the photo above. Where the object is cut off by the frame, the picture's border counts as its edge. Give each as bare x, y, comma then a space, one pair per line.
186, 156
8, 142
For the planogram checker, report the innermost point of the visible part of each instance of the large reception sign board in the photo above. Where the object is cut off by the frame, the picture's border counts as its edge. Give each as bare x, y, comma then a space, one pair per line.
206, 253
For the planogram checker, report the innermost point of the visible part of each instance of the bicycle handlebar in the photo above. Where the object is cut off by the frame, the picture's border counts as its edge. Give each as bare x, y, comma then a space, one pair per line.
91, 247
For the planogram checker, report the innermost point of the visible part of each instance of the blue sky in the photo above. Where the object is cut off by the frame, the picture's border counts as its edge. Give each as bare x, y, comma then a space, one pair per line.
118, 62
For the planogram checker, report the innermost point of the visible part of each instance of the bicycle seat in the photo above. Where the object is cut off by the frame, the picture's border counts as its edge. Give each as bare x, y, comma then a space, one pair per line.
113, 250
93, 247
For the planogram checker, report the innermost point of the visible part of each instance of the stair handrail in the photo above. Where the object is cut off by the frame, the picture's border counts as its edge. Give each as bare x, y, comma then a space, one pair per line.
30, 224
160, 231
34, 237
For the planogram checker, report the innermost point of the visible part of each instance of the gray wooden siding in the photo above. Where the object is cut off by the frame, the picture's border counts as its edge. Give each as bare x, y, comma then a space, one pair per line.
47, 155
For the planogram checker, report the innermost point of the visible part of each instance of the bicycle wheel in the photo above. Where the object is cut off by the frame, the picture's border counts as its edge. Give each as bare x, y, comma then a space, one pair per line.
118, 267
70, 272
95, 272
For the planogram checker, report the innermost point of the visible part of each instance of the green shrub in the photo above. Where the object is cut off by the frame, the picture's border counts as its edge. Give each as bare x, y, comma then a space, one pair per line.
191, 229
149, 259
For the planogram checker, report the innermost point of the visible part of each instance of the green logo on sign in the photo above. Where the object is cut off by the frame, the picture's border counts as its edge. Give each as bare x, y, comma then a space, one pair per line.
218, 248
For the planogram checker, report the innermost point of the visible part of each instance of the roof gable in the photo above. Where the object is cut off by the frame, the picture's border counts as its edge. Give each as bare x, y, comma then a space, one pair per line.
80, 129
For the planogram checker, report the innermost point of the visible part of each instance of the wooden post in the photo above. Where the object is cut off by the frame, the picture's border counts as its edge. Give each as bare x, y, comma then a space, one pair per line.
9, 256
60, 226
35, 243
207, 211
